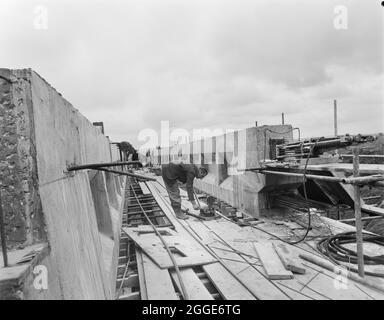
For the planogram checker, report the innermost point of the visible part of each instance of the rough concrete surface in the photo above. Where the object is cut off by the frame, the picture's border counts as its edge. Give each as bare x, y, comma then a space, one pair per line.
40, 135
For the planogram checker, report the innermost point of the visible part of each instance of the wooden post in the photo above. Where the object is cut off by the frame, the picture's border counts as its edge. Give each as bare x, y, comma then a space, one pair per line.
282, 118
335, 116
358, 223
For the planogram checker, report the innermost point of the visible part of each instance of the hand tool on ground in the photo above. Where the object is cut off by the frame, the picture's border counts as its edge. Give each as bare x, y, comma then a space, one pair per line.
207, 212
193, 215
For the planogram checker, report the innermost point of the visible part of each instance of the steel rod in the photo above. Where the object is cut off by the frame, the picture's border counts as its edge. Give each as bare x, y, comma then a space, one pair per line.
2, 236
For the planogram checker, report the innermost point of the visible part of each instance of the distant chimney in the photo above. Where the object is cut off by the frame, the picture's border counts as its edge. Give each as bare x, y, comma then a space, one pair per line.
335, 116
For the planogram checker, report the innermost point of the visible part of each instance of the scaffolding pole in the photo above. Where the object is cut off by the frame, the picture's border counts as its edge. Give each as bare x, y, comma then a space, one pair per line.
358, 222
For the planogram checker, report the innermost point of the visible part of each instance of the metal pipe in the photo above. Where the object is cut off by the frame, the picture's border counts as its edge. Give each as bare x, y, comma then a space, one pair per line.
355, 180
2, 235
371, 198
324, 143
292, 155
251, 169
364, 180
127, 174
363, 155
98, 165
300, 175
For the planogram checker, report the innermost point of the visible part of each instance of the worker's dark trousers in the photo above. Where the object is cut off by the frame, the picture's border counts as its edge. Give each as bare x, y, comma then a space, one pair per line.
174, 194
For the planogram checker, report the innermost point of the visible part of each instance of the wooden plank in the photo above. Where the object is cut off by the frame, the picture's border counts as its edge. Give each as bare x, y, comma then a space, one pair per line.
271, 262
228, 286
343, 271
251, 278
131, 296
163, 204
157, 281
372, 209
148, 229
140, 271
289, 263
131, 281
195, 288
191, 252
292, 292
144, 188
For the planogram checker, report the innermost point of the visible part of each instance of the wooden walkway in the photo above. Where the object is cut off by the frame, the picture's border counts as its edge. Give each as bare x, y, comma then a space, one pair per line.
221, 260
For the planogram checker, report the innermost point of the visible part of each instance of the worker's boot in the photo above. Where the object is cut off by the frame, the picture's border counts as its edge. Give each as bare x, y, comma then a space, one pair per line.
180, 214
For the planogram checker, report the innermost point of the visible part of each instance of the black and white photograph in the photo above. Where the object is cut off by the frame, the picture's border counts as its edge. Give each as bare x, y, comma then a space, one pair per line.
189, 157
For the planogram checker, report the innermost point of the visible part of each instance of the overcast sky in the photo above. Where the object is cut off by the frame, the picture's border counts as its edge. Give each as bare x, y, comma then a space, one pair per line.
204, 64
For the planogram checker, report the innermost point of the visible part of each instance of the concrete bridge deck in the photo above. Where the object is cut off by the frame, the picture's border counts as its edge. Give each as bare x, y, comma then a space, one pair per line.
238, 272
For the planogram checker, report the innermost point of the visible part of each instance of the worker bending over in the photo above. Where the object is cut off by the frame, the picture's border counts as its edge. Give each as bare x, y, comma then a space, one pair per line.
185, 173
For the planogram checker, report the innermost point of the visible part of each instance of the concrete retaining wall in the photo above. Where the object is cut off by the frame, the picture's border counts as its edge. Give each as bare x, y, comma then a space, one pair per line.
223, 156
45, 134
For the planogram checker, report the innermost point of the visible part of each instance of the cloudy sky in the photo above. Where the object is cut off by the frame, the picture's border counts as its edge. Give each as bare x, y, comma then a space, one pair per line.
205, 63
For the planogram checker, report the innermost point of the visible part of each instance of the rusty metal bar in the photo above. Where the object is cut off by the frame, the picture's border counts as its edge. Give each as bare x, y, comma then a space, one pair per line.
2, 235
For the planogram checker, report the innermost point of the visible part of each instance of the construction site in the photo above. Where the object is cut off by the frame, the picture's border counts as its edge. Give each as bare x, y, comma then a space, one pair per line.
284, 218
191, 157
